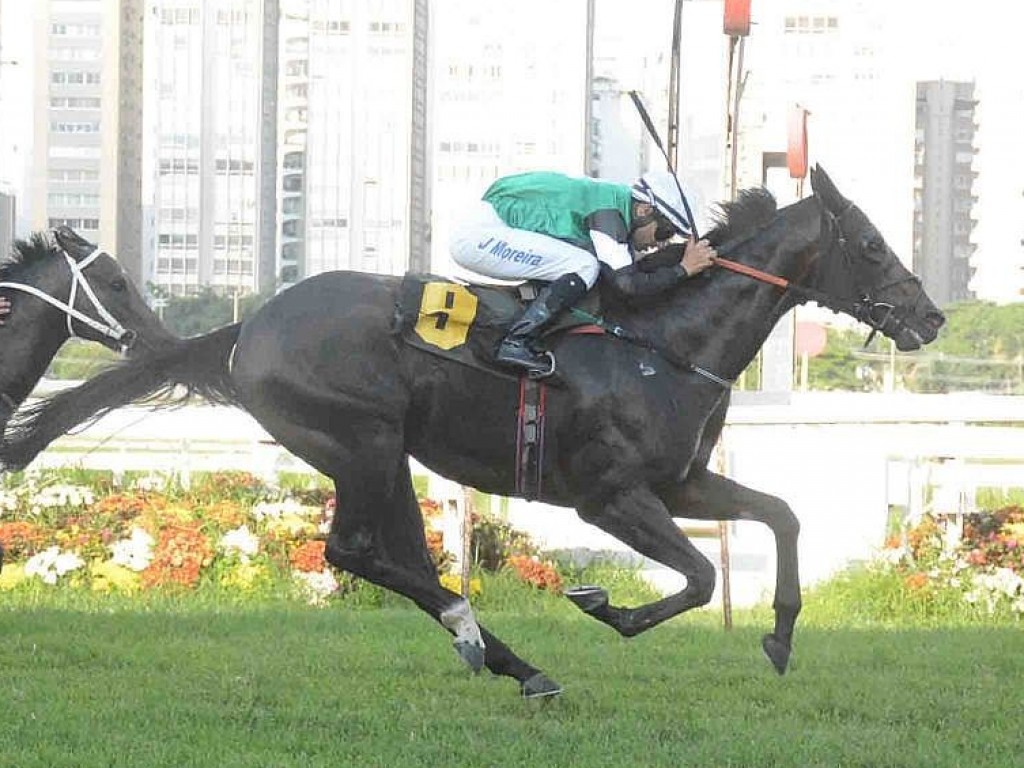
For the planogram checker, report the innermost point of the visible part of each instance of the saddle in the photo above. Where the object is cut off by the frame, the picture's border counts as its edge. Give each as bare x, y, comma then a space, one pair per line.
466, 322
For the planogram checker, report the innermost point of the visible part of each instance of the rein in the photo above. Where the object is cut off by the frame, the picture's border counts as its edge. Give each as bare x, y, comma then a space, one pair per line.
875, 314
635, 339
110, 327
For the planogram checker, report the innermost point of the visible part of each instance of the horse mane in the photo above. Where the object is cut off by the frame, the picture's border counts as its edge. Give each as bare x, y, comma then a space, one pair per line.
38, 246
753, 208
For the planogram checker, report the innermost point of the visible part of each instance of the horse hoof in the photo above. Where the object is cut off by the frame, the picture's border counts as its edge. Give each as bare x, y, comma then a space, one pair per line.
539, 686
588, 599
777, 652
471, 653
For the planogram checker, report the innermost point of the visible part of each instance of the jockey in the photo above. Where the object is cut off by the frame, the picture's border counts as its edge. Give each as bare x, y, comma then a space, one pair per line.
567, 231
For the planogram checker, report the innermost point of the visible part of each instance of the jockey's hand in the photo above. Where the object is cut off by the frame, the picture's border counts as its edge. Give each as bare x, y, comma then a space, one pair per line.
5, 308
698, 256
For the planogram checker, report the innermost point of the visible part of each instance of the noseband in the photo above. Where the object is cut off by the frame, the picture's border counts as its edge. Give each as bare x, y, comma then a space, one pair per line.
107, 325
867, 308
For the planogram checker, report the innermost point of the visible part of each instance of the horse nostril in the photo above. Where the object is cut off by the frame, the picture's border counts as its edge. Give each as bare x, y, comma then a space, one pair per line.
128, 339
935, 319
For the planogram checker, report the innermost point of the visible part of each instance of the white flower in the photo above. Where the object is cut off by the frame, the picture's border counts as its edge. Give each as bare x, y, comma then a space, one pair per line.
135, 552
266, 510
318, 586
242, 541
1001, 581
63, 496
152, 483
891, 556
8, 501
51, 564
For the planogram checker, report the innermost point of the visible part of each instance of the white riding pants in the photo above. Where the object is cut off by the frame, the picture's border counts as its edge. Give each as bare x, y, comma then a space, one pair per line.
485, 244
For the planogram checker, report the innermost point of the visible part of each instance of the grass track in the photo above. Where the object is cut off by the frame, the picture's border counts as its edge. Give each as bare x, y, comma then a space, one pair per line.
284, 686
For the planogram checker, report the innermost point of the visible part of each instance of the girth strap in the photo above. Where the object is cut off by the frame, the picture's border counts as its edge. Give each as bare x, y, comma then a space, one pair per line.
530, 437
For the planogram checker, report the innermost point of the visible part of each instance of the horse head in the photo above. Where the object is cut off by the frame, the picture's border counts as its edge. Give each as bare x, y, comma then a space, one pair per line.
60, 286
87, 285
871, 281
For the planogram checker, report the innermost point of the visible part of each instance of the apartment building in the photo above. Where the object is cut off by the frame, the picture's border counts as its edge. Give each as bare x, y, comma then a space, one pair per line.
86, 167
944, 199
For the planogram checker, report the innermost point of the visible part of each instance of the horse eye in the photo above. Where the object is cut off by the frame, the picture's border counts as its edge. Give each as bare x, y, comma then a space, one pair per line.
874, 248
119, 284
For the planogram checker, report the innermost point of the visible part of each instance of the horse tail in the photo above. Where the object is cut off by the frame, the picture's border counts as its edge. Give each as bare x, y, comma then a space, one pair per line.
163, 378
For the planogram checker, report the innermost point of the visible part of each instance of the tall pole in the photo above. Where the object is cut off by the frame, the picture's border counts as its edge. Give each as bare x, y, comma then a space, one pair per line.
673, 88
734, 140
588, 100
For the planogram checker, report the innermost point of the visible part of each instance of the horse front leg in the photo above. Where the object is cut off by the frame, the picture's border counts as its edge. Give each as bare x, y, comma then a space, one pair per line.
709, 496
638, 518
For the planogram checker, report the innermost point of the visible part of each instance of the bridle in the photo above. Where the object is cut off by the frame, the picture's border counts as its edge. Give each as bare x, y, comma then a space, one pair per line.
866, 307
107, 325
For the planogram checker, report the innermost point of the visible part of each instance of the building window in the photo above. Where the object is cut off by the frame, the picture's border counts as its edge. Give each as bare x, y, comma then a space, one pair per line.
75, 223
89, 126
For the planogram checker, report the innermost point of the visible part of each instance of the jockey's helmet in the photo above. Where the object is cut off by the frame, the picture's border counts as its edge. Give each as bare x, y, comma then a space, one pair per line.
661, 190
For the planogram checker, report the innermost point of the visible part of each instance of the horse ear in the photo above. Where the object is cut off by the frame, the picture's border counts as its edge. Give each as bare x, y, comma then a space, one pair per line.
826, 190
76, 246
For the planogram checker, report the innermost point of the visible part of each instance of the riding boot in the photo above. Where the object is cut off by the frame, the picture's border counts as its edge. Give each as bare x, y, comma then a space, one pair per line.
517, 348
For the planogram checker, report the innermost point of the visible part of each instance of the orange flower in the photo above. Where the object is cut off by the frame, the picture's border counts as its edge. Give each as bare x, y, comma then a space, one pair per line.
225, 514
430, 508
532, 571
128, 506
308, 557
180, 554
916, 581
21, 539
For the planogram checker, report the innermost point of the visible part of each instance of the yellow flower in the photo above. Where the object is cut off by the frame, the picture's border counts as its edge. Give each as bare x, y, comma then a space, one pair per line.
11, 576
109, 577
453, 582
1014, 530
291, 525
244, 577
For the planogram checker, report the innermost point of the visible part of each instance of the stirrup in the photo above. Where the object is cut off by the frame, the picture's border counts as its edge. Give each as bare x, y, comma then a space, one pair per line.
537, 374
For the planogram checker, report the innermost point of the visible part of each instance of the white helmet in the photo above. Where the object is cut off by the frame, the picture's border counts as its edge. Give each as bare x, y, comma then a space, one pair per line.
660, 189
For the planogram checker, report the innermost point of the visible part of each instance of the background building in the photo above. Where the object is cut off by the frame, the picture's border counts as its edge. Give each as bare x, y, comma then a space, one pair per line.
213, 184
509, 95
943, 191
352, 127
8, 211
86, 166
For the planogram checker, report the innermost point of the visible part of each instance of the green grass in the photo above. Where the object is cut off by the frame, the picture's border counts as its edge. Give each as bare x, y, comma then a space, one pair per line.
95, 682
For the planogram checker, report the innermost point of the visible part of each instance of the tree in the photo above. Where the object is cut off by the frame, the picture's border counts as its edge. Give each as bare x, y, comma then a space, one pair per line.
981, 348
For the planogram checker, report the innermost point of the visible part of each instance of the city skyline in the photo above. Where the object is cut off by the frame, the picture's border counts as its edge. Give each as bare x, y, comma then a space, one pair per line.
861, 94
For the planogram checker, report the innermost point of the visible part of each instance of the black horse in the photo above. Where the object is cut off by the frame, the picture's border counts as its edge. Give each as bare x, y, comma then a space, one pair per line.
629, 433
62, 286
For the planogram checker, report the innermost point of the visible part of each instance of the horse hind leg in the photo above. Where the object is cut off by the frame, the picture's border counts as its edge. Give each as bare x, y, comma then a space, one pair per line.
638, 518
400, 539
377, 532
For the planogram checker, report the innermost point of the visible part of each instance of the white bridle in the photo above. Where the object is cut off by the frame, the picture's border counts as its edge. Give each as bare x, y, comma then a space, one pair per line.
107, 325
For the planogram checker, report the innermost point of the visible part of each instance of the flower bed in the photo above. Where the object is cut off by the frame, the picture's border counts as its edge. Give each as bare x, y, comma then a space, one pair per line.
939, 568
227, 532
